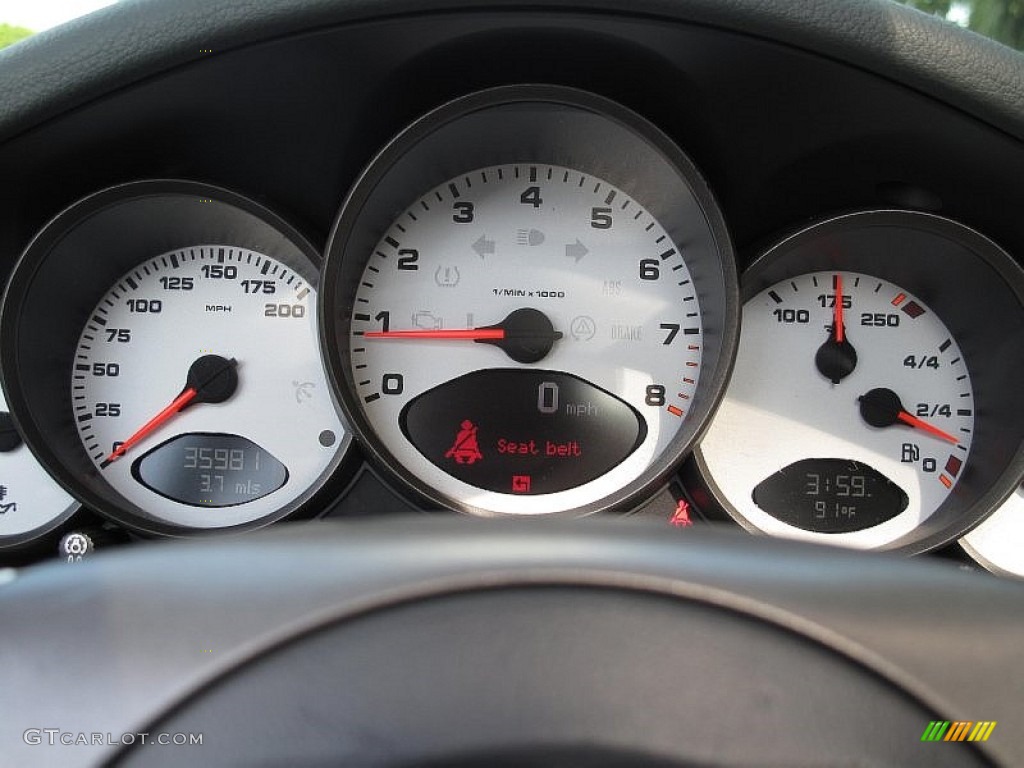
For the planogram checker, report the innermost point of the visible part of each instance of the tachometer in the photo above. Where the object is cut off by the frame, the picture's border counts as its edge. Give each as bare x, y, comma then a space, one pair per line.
869, 406
183, 321
548, 322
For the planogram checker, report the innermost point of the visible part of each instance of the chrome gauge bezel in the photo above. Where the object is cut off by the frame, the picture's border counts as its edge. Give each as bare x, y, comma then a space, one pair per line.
60, 278
976, 289
541, 125
997, 543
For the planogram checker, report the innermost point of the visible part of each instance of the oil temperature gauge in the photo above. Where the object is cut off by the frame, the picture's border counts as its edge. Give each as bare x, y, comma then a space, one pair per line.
854, 414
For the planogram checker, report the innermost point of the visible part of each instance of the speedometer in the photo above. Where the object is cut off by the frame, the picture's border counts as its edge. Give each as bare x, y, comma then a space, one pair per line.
193, 394
548, 322
186, 373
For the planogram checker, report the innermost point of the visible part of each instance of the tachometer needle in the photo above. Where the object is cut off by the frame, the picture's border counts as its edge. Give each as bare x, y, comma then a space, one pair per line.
210, 379
882, 408
526, 335
469, 334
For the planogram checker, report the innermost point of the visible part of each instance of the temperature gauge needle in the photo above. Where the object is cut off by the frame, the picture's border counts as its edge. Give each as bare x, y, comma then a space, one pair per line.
526, 335
836, 358
837, 313
210, 379
882, 408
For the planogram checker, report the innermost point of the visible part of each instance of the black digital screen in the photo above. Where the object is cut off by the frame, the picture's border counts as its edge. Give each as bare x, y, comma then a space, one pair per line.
210, 470
830, 496
513, 430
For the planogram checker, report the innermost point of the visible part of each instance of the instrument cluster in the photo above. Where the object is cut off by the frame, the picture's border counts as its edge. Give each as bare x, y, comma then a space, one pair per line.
529, 304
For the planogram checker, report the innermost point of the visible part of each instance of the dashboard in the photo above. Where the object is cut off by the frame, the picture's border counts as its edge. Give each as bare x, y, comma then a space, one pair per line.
183, 251
714, 266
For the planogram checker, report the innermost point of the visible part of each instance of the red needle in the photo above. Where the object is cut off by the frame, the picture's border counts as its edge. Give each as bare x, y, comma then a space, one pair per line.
210, 379
838, 315
471, 334
913, 421
157, 421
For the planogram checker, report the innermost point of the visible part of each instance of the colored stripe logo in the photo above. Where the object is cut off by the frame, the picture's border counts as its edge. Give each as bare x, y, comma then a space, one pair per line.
958, 730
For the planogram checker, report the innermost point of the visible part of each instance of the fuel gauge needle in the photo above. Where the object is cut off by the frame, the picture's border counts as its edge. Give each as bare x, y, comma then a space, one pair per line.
882, 408
210, 379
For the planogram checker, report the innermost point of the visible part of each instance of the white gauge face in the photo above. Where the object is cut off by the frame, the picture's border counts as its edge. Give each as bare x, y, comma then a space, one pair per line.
851, 436
601, 351
29, 498
998, 543
236, 329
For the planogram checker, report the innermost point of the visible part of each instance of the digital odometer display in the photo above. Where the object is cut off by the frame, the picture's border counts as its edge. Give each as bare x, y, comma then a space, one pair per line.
830, 496
210, 470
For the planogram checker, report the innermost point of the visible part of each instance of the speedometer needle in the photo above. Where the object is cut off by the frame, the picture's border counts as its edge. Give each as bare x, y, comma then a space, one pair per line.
882, 408
526, 335
210, 379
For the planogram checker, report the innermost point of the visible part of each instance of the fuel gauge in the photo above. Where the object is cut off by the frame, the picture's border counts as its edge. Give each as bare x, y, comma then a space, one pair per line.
868, 407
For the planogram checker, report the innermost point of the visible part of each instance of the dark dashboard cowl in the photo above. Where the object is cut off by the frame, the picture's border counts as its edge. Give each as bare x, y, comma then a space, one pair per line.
67, 67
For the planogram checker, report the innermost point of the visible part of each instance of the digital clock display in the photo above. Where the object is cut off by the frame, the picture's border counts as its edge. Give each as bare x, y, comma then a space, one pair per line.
210, 470
830, 496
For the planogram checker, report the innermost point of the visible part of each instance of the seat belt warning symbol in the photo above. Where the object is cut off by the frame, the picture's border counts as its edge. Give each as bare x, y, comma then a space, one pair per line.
465, 449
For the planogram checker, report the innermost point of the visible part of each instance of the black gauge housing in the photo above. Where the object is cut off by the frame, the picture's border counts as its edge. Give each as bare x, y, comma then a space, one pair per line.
543, 125
978, 291
62, 275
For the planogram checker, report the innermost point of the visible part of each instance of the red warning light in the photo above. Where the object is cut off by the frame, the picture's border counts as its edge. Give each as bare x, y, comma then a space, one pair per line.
521, 483
681, 517
465, 449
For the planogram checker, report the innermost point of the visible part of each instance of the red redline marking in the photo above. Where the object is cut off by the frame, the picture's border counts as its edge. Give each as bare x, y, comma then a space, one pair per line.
691, 365
694, 347
900, 297
688, 381
674, 411
945, 481
953, 465
684, 396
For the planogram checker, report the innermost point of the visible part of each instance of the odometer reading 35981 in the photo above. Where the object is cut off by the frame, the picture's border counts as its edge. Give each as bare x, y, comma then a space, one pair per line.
198, 389
526, 338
